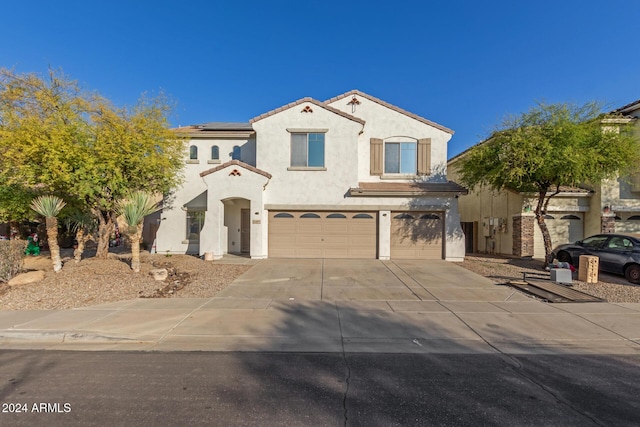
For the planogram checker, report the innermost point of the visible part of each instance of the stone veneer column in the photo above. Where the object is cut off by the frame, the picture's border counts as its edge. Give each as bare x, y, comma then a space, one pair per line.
608, 223
523, 228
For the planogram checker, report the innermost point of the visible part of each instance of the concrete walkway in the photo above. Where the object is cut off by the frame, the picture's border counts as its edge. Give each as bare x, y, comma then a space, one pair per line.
339, 305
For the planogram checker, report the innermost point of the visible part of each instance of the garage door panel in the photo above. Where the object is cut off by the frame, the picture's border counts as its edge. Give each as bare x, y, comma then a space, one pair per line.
322, 234
416, 235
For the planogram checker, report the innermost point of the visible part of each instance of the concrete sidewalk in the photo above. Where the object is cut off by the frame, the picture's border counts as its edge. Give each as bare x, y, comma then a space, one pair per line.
335, 306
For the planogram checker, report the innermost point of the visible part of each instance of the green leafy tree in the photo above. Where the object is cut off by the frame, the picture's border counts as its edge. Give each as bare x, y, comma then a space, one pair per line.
49, 207
134, 208
550, 146
58, 139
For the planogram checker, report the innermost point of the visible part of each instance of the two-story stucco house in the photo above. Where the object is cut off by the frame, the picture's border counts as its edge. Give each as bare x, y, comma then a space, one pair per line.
502, 222
350, 177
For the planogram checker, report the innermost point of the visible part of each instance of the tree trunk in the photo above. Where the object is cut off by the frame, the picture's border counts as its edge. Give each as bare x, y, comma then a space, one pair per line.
52, 237
135, 249
546, 236
81, 239
105, 228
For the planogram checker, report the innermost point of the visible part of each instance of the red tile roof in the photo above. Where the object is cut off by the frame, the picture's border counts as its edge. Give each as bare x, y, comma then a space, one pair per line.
236, 163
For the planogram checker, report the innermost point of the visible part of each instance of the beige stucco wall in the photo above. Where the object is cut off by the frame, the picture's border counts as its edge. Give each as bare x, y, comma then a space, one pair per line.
385, 123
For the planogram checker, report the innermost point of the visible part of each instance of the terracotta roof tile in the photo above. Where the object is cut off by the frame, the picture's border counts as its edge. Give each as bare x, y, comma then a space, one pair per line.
236, 163
301, 101
393, 107
406, 188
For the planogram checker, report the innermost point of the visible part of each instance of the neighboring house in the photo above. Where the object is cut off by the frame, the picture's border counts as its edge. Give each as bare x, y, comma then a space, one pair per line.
351, 177
503, 222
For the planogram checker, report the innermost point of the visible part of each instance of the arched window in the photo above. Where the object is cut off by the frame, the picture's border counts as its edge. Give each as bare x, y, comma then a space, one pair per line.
309, 215
235, 155
336, 215
548, 217
429, 216
215, 153
362, 216
634, 218
283, 215
571, 217
193, 153
403, 216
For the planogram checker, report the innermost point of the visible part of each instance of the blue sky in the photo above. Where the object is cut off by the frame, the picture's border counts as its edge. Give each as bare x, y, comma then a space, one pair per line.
464, 64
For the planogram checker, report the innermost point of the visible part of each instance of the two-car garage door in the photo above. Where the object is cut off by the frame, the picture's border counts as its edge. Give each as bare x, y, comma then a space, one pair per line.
327, 234
321, 234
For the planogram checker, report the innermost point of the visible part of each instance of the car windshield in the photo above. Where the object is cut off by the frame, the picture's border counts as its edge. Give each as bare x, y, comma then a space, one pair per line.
594, 242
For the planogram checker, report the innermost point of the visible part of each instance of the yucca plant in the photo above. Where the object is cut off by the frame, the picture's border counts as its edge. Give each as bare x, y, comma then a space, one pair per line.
49, 207
83, 225
134, 208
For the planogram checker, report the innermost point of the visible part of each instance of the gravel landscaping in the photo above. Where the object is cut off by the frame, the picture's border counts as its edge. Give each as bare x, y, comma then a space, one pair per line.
502, 269
93, 281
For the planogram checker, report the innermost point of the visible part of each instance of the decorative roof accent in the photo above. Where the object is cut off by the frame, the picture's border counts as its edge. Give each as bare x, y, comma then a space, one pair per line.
312, 101
307, 109
390, 106
400, 189
236, 163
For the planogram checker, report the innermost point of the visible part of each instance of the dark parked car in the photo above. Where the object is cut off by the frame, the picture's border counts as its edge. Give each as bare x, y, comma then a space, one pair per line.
618, 253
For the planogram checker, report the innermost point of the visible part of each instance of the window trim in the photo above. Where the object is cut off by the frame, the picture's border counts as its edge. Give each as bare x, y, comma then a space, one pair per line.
308, 132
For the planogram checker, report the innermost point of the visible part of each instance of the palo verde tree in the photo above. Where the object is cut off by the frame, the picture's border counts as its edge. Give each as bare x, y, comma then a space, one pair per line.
550, 146
57, 138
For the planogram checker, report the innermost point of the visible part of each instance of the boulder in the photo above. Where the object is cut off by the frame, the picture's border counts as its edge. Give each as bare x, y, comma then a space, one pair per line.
26, 278
159, 274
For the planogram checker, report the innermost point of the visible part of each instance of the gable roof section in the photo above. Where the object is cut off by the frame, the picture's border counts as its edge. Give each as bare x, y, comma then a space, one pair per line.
301, 101
632, 106
236, 163
390, 106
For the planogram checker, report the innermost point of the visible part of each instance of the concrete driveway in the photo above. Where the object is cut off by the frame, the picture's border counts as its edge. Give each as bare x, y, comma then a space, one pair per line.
365, 280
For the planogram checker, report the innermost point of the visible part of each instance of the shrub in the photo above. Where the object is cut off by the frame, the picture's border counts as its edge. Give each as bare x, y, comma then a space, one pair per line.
11, 258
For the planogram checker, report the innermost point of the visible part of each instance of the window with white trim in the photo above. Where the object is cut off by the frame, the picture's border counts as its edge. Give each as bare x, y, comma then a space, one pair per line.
307, 150
400, 157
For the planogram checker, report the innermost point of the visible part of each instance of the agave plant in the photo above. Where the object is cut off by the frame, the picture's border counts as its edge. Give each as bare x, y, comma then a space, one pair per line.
49, 207
83, 225
134, 208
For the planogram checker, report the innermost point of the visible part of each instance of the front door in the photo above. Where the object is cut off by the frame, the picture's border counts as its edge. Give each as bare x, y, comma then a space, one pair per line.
245, 230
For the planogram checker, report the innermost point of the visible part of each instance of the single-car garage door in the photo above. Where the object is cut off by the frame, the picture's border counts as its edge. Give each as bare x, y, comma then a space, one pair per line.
416, 235
322, 234
563, 228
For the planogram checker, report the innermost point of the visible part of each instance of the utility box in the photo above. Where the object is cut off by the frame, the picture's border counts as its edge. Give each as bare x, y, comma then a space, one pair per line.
561, 275
588, 268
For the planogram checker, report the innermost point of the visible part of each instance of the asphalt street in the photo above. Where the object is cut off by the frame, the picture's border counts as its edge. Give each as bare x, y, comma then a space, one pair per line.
317, 389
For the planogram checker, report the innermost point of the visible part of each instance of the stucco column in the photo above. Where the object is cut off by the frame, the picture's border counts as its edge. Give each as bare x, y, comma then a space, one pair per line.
258, 223
384, 235
210, 238
454, 236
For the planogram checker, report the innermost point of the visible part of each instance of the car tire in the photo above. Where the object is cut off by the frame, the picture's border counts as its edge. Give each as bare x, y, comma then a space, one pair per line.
564, 257
632, 273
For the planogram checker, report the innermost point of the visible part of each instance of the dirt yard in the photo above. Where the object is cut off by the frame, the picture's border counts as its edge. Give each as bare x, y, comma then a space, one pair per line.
93, 281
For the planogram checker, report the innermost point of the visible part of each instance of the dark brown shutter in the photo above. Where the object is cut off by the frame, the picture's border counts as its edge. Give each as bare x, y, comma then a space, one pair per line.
376, 156
424, 156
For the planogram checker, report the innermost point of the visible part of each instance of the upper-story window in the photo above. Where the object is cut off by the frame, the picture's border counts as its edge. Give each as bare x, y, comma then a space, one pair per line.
215, 153
400, 157
396, 156
193, 153
307, 150
235, 155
